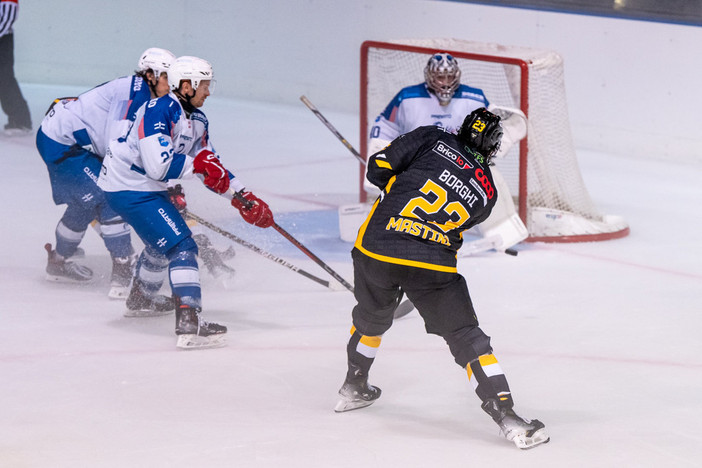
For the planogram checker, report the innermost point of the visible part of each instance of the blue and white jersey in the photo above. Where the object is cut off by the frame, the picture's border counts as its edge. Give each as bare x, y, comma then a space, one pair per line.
97, 116
415, 106
160, 146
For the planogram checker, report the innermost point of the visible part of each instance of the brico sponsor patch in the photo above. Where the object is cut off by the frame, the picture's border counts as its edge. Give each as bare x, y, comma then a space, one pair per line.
453, 155
417, 229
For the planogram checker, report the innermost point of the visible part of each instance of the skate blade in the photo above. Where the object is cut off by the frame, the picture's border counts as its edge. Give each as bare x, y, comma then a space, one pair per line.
344, 405
201, 342
525, 442
67, 280
118, 292
147, 313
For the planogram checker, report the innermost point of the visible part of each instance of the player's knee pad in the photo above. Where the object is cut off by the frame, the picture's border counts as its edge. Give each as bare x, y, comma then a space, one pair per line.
78, 217
184, 250
151, 268
468, 344
117, 237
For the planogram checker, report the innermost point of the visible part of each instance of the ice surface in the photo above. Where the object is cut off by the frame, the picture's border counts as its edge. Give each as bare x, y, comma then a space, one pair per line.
600, 341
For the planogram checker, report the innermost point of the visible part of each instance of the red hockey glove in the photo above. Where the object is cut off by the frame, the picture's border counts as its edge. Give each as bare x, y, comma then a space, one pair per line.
177, 197
254, 210
216, 176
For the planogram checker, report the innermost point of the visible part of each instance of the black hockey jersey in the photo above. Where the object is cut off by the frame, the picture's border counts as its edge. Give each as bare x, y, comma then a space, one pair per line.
433, 189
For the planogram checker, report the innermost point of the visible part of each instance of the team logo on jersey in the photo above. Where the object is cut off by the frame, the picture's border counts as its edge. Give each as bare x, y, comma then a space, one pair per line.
451, 154
162, 141
169, 221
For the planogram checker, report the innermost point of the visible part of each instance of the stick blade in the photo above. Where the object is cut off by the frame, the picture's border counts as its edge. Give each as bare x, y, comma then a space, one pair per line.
403, 309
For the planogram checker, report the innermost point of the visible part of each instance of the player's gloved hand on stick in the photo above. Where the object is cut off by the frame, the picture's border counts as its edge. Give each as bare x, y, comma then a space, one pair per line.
177, 196
216, 176
254, 210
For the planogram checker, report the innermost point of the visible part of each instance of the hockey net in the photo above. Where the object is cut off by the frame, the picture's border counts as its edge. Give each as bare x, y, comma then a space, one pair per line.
542, 170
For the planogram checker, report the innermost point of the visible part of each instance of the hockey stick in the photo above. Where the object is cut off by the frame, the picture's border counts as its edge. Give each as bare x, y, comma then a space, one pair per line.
401, 310
316, 259
316, 112
483, 245
249, 204
256, 249
405, 307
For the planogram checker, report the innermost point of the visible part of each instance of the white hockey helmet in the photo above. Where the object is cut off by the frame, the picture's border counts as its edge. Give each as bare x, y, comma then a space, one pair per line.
189, 68
158, 60
442, 76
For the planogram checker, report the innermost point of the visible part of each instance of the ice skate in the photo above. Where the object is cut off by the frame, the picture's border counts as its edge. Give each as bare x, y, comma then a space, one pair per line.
58, 269
122, 272
524, 433
356, 395
195, 333
141, 305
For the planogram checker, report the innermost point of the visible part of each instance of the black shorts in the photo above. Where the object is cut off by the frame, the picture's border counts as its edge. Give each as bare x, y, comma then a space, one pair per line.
441, 298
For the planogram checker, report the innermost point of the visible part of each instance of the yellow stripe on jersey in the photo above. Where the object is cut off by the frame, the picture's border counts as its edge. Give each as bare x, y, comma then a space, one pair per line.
402, 261
383, 164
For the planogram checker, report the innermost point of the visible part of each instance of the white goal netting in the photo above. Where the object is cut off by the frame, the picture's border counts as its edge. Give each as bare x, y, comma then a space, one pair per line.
542, 171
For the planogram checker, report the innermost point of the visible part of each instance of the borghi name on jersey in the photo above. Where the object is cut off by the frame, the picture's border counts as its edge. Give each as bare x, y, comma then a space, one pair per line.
423, 227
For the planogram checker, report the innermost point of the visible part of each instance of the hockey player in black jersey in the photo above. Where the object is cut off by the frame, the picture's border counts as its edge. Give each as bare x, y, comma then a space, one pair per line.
434, 185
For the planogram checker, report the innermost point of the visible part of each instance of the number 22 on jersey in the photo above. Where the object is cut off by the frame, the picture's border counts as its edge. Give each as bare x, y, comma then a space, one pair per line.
433, 207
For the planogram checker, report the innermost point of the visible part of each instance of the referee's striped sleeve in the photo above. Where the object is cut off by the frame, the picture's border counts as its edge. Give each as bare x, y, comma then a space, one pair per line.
8, 14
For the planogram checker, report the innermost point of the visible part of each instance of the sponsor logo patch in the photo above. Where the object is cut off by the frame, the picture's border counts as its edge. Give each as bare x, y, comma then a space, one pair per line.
453, 155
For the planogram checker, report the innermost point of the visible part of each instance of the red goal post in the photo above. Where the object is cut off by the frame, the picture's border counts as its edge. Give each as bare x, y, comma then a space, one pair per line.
541, 171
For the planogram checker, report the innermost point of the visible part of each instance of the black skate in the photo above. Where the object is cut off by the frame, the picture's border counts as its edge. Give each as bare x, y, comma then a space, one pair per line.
195, 333
141, 305
356, 395
524, 433
122, 272
59, 269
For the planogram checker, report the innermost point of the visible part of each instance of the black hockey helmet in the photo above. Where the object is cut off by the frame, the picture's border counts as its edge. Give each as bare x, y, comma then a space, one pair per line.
481, 131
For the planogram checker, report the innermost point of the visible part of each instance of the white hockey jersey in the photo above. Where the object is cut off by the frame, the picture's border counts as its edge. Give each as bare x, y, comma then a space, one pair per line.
98, 115
160, 146
415, 106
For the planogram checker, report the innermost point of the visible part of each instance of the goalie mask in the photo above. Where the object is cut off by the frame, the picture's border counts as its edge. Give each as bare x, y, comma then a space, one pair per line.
158, 60
442, 76
190, 68
481, 131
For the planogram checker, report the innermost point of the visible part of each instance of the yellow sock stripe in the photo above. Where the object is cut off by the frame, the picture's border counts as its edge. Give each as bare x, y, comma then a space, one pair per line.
487, 359
371, 341
489, 364
368, 346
